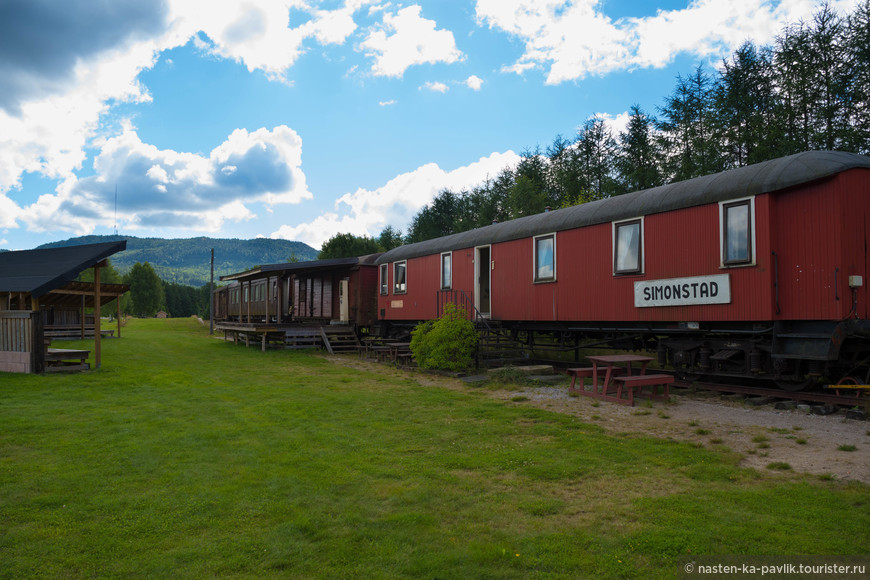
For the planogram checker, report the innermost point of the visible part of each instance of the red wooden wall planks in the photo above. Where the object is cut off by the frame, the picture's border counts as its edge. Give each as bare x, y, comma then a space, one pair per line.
818, 232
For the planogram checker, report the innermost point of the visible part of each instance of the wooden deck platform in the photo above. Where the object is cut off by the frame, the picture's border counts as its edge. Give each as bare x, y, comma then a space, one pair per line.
333, 338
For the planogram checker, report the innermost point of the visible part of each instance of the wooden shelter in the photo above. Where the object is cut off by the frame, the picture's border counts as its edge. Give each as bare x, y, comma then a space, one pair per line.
40, 298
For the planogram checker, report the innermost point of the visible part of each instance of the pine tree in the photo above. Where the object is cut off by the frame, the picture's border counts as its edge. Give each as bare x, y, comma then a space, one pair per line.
639, 156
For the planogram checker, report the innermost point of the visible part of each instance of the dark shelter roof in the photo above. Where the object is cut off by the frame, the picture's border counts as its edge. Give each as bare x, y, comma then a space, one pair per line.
38, 272
302, 267
764, 177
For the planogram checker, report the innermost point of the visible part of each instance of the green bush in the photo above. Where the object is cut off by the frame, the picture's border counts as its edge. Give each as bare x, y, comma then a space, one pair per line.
447, 343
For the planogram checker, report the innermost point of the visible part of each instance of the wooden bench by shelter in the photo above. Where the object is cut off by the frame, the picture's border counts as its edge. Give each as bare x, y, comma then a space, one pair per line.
64, 359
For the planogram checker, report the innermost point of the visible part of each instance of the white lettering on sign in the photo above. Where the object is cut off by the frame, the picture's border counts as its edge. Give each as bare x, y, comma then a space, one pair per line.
683, 291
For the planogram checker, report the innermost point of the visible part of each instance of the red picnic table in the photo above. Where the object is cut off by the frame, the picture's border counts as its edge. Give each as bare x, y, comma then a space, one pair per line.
617, 373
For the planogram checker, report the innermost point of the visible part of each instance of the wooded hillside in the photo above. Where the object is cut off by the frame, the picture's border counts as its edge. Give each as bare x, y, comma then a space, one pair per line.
187, 261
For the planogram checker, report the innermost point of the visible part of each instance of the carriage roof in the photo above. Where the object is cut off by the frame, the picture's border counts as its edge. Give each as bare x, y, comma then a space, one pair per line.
759, 178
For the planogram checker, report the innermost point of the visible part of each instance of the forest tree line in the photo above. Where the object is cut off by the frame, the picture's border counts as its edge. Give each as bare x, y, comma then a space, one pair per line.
149, 294
809, 90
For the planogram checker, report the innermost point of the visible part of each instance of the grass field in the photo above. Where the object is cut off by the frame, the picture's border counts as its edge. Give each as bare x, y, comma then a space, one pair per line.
188, 457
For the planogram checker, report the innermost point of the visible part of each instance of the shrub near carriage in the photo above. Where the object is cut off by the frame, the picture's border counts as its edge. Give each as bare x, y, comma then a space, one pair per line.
447, 343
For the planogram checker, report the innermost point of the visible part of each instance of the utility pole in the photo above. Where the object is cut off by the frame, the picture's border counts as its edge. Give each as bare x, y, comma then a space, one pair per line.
211, 297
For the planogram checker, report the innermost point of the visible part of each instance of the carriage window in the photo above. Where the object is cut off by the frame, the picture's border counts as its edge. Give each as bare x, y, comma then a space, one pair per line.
385, 284
628, 247
400, 285
247, 290
446, 270
545, 258
737, 233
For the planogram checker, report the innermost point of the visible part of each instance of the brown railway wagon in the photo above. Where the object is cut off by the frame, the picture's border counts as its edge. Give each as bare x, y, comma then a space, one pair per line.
340, 290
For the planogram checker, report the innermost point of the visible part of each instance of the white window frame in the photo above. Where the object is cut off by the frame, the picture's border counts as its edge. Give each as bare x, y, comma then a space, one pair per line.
396, 290
449, 281
752, 241
641, 262
535, 277
384, 282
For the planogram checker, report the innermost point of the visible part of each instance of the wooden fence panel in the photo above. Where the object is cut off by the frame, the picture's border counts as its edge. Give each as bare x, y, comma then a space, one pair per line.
16, 331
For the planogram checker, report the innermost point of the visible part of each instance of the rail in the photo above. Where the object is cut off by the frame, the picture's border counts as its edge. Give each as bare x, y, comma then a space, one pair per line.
464, 302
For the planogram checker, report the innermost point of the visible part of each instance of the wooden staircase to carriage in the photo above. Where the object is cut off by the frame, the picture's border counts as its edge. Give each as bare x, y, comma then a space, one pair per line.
333, 338
497, 346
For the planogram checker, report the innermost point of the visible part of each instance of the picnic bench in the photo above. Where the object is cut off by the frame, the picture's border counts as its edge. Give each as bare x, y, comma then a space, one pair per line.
610, 380
65, 359
638, 382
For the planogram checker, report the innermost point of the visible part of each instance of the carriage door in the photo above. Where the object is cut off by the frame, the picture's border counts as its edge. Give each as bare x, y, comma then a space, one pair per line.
342, 300
482, 280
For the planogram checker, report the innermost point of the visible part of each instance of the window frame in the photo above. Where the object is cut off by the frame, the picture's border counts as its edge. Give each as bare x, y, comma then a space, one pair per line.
535, 267
384, 282
641, 254
449, 284
396, 265
724, 206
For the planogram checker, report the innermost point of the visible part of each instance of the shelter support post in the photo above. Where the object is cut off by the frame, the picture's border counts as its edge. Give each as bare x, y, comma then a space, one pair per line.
97, 303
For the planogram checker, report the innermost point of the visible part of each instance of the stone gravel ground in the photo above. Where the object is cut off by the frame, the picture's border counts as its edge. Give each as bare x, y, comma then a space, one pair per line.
763, 435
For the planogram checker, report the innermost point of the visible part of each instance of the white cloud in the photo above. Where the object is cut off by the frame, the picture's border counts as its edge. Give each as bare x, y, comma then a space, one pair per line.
474, 82
57, 104
168, 189
387, 103
617, 124
367, 212
9, 212
435, 87
575, 39
260, 33
407, 39
48, 135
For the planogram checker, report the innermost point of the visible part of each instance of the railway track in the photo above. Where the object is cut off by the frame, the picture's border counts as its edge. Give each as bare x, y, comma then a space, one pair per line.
842, 397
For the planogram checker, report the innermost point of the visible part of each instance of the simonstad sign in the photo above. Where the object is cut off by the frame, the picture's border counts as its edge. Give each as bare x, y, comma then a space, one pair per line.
683, 291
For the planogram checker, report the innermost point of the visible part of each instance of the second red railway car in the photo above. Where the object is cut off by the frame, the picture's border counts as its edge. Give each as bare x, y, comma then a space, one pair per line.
759, 271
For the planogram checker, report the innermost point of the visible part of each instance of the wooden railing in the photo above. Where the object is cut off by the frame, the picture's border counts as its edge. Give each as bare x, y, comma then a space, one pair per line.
463, 301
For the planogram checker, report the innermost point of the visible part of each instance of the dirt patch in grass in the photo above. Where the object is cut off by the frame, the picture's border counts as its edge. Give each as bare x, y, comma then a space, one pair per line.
808, 443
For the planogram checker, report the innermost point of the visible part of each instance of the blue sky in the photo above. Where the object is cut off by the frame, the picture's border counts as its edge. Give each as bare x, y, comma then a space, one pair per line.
301, 119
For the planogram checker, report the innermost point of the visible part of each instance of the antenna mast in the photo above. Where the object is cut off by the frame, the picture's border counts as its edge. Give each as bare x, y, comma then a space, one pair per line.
116, 209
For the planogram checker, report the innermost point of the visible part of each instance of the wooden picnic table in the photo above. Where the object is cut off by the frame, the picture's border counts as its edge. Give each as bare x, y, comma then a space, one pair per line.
369, 344
397, 348
617, 373
615, 364
65, 359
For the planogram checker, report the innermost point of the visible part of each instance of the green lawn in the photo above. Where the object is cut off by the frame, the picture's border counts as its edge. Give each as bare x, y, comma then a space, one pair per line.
188, 457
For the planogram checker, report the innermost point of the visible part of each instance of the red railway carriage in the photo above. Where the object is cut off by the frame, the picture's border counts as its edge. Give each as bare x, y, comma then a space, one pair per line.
755, 271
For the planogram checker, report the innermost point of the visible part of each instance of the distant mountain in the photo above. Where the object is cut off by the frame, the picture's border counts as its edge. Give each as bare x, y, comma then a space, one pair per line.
186, 261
